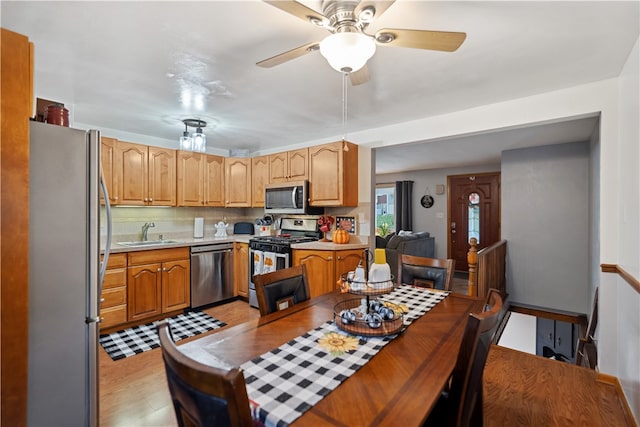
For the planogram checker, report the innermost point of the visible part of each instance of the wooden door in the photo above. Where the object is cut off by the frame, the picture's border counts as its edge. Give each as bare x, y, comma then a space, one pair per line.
162, 177
298, 163
108, 163
346, 260
237, 182
260, 179
213, 180
144, 291
190, 173
176, 285
320, 267
474, 211
132, 175
241, 269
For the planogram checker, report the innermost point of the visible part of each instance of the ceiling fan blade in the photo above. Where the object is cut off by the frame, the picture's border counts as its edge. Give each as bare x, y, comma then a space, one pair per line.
300, 11
380, 6
289, 55
359, 77
420, 39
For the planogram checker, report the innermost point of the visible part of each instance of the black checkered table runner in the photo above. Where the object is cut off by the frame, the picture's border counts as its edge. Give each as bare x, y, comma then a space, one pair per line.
285, 382
139, 339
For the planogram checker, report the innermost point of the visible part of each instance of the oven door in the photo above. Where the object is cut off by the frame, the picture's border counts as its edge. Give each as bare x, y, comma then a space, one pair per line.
256, 266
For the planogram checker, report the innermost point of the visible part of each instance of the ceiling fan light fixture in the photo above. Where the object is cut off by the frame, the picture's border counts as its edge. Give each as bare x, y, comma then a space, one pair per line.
347, 52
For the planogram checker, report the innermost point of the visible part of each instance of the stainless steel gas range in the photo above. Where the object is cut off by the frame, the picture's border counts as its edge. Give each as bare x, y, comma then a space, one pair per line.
270, 253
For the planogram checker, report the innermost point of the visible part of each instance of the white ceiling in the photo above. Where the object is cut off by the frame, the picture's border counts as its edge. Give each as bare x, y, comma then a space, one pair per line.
126, 66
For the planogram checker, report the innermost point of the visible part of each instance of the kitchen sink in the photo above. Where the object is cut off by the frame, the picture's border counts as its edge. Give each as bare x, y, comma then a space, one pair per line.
147, 243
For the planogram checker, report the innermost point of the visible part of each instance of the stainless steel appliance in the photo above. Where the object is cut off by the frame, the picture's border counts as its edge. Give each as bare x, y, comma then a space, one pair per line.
64, 276
211, 273
288, 198
277, 249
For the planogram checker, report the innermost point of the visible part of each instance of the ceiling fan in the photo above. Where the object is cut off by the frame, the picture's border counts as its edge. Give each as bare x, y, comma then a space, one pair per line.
349, 47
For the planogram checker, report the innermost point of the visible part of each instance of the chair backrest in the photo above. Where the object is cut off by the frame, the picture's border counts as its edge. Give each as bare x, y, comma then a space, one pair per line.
466, 382
281, 288
203, 395
434, 273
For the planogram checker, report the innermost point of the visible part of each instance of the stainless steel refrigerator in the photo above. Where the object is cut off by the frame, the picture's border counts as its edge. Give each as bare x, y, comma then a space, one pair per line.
64, 276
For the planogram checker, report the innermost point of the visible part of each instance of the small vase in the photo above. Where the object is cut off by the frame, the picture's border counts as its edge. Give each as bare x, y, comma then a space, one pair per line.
324, 237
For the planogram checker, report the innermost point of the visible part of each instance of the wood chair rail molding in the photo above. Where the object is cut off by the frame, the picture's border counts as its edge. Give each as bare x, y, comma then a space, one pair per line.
615, 268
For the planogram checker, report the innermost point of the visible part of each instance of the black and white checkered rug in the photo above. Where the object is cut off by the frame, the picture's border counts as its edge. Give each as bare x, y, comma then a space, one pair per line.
139, 339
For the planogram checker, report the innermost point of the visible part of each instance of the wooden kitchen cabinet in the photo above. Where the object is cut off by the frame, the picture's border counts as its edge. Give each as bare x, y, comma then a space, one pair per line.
108, 161
289, 166
113, 300
145, 175
241, 269
260, 179
325, 267
333, 174
237, 182
158, 281
200, 179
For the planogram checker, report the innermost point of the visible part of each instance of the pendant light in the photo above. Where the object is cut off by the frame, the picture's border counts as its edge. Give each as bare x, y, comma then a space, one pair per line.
197, 141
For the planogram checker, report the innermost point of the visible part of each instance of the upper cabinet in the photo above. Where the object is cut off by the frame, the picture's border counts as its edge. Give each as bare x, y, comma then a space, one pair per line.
238, 182
333, 174
108, 159
145, 175
289, 166
200, 179
260, 179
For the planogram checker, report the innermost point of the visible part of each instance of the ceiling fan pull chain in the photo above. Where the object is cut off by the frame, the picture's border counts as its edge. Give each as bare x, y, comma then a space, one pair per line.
344, 106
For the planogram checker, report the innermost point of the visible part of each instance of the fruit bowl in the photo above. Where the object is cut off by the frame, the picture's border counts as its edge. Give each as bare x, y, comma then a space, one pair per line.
377, 319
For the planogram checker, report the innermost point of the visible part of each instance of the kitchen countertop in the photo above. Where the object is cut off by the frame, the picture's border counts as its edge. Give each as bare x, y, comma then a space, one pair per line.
355, 243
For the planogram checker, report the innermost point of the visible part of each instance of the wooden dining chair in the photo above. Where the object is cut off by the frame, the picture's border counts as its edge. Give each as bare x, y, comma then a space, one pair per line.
436, 273
203, 395
461, 404
281, 289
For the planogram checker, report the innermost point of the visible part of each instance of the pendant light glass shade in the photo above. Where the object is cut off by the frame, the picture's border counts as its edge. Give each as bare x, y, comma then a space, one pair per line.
185, 140
197, 141
347, 52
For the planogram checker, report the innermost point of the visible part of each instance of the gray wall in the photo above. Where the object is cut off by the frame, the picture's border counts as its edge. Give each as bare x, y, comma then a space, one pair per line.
546, 221
433, 219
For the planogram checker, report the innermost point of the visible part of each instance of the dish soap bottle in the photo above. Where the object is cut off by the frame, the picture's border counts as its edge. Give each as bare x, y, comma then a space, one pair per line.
380, 272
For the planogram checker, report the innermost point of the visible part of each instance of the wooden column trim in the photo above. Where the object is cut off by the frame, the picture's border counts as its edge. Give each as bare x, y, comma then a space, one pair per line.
615, 268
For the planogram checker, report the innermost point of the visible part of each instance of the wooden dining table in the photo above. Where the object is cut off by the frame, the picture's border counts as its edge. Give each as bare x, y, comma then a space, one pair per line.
398, 386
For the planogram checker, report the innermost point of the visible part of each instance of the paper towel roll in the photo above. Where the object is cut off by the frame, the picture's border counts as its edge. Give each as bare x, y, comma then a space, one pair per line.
198, 228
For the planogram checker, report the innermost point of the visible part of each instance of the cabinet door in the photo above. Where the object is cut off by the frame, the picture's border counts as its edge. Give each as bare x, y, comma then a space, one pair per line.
176, 285
260, 179
241, 269
162, 177
108, 161
278, 168
132, 173
238, 182
347, 260
333, 174
213, 180
144, 290
320, 270
298, 161
190, 172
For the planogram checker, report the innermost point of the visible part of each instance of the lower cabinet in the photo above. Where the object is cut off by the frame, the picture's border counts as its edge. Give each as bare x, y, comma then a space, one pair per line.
158, 281
113, 300
325, 267
241, 269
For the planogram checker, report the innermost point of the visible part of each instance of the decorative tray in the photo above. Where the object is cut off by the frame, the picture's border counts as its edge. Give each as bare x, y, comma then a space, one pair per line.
371, 318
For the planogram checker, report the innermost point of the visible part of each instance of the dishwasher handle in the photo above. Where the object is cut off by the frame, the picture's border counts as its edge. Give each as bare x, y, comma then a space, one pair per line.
212, 248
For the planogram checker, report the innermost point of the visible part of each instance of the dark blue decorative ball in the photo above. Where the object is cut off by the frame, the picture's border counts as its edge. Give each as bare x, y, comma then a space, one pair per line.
374, 320
347, 316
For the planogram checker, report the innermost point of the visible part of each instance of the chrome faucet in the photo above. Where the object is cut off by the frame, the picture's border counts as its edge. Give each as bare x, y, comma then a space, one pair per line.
145, 229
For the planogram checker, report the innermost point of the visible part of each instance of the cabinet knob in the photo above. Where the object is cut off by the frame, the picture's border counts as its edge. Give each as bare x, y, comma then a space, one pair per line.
159, 269
101, 299
150, 199
329, 258
339, 258
164, 269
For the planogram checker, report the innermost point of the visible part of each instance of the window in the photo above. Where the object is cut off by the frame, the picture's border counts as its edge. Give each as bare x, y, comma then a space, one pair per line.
385, 206
474, 216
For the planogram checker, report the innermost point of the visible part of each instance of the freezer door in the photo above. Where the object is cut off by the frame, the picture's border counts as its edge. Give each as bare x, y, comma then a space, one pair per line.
63, 276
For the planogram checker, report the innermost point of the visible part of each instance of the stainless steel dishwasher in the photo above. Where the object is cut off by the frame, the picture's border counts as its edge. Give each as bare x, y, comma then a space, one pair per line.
211, 273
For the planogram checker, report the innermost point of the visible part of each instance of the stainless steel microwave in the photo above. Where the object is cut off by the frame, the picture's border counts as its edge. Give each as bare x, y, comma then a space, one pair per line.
287, 198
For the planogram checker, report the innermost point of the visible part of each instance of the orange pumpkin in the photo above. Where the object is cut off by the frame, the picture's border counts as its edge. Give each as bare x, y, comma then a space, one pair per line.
340, 236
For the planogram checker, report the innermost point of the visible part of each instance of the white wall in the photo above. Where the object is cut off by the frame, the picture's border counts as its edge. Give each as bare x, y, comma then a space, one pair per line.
433, 219
545, 220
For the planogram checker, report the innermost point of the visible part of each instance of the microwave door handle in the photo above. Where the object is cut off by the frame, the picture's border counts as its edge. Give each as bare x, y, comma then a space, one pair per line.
293, 196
